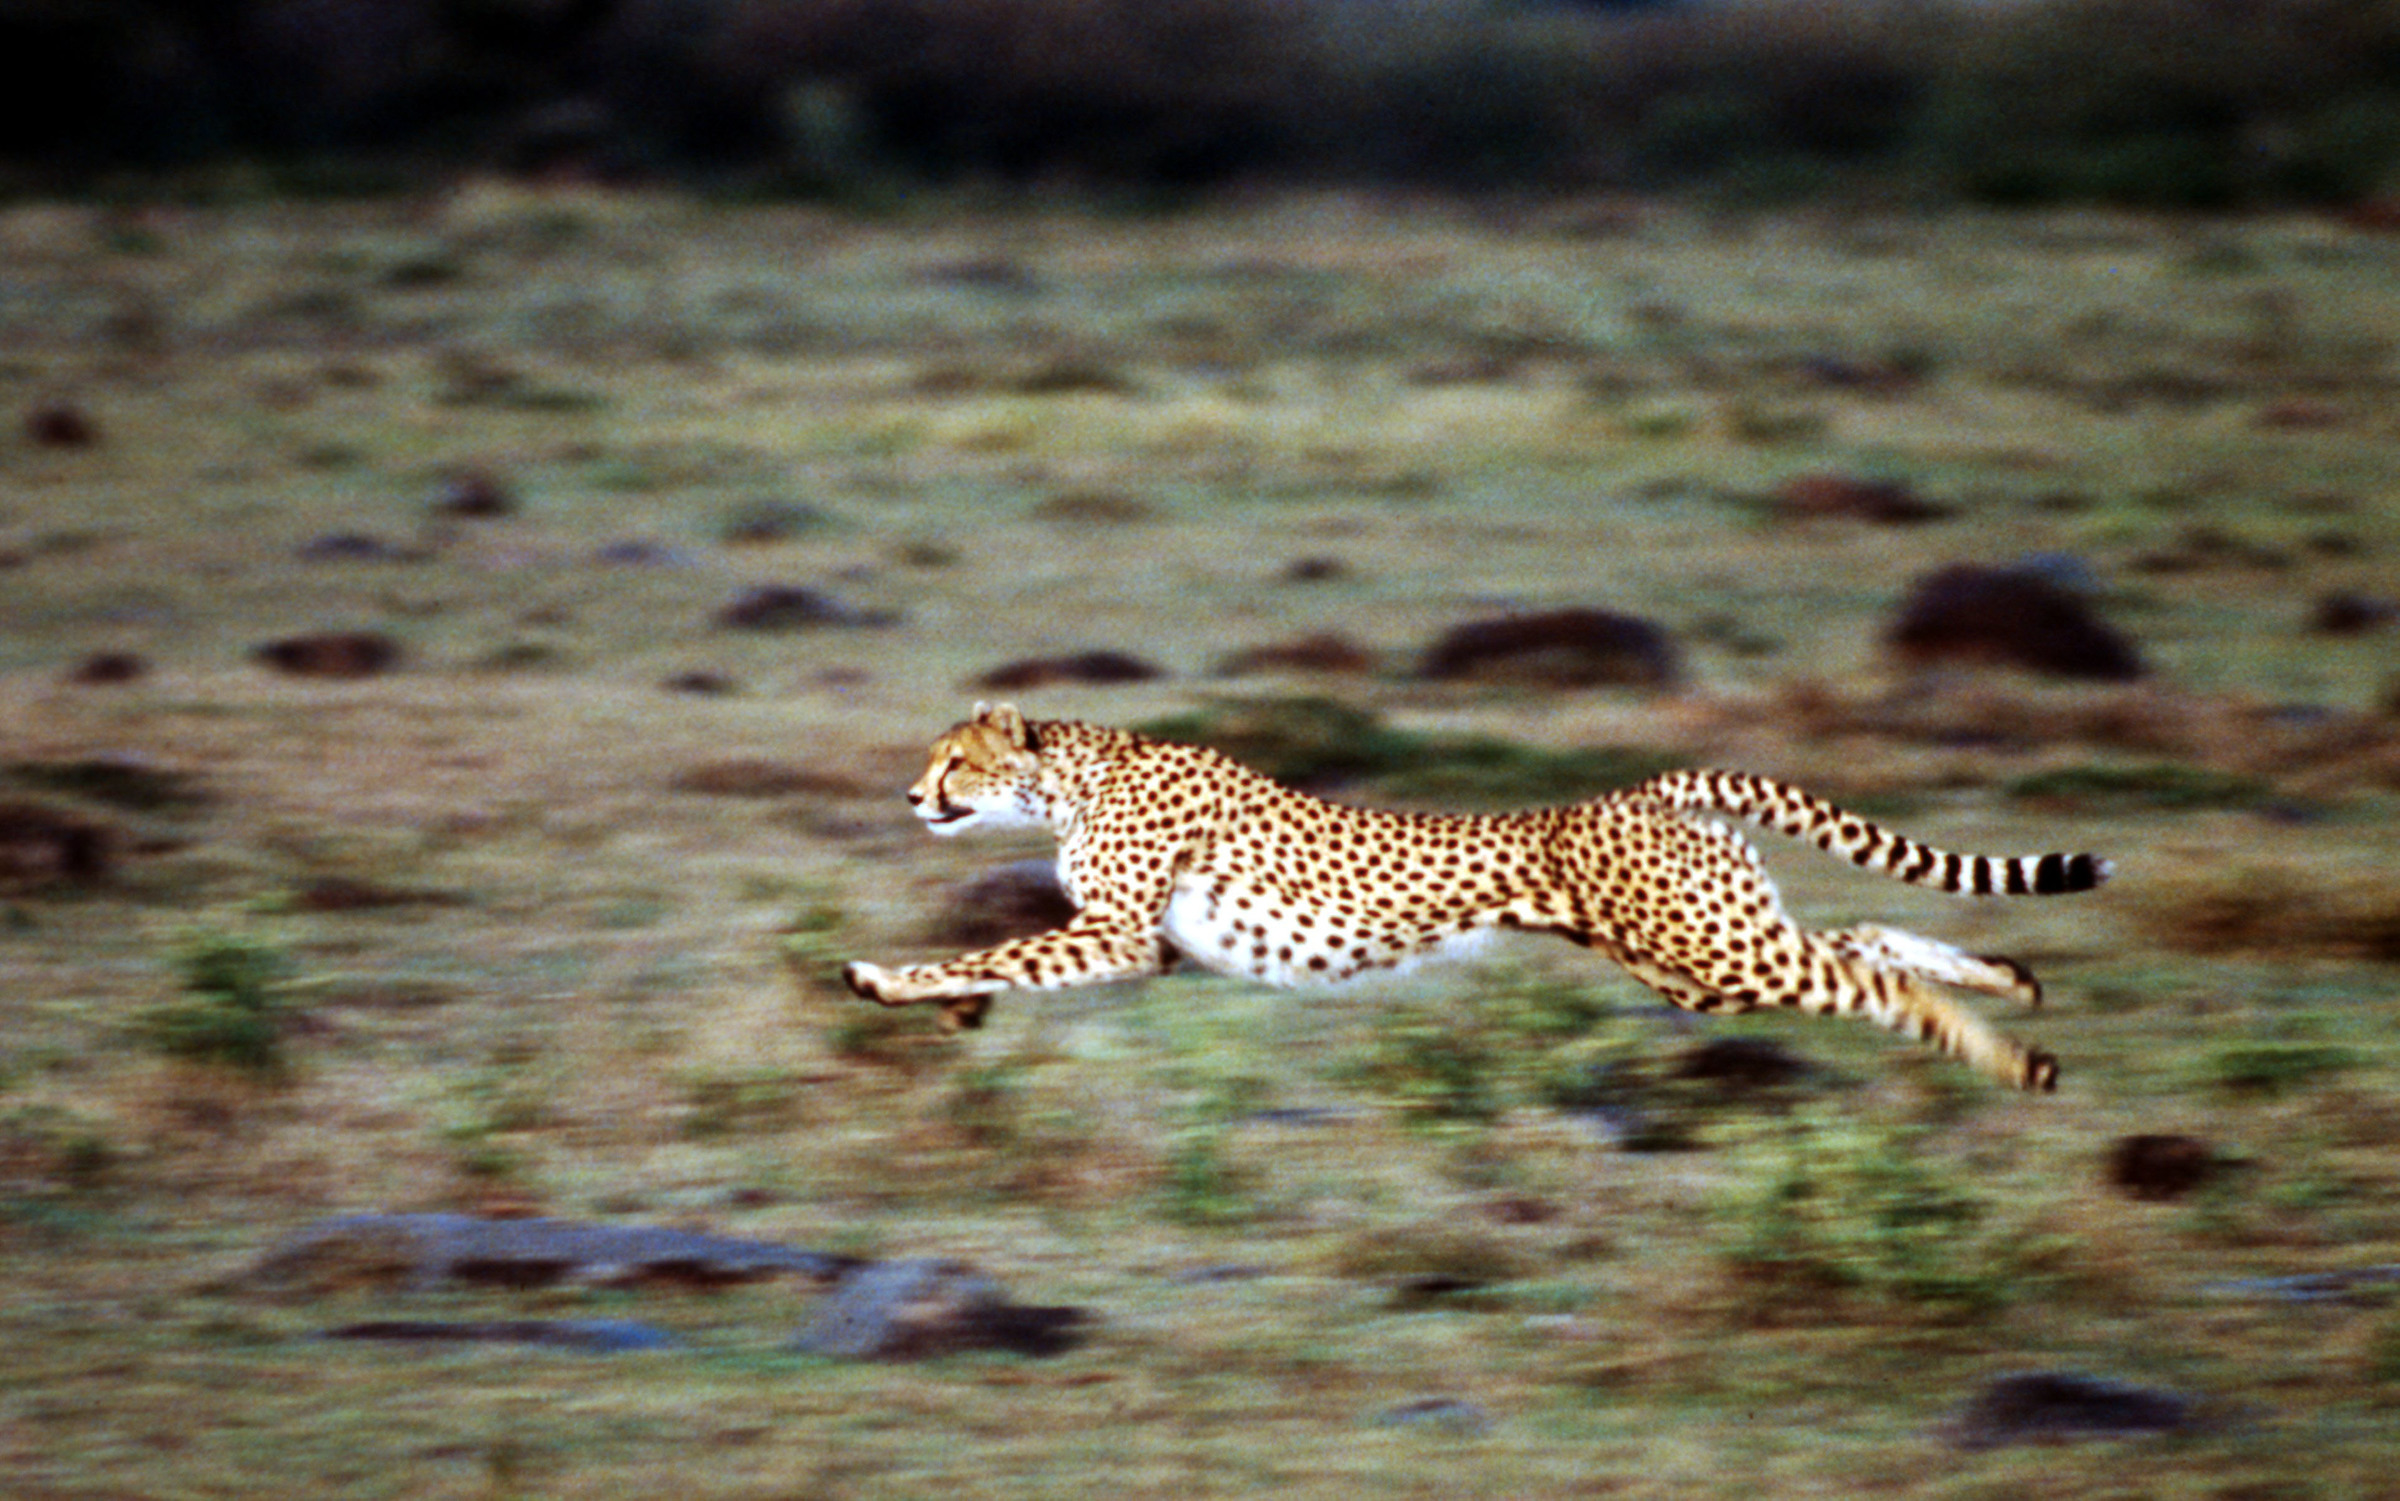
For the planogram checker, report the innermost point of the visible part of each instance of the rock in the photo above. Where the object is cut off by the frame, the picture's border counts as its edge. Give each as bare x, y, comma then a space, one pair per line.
1084, 667
2058, 1406
2299, 414
2365, 1286
583, 1336
1885, 502
2160, 1166
1451, 1415
331, 654
41, 847
108, 669
58, 424
1072, 375
754, 776
1990, 617
2352, 614
1328, 651
347, 547
643, 552
1016, 900
427, 1251
1744, 1065
921, 1308
1094, 508
1872, 376
1315, 569
120, 779
1557, 649
785, 607
703, 681
767, 521
474, 495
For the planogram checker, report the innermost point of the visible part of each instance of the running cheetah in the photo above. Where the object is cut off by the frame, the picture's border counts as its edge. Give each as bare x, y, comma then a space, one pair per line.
1174, 849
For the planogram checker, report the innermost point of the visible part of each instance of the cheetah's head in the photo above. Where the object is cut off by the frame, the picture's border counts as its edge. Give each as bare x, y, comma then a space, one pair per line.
982, 774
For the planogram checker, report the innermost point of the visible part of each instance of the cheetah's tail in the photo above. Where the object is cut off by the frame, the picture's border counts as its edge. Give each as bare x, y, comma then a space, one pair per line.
1802, 815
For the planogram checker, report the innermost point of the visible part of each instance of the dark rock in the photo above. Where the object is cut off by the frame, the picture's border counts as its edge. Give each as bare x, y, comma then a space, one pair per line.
108, 669
1988, 617
1842, 496
784, 607
702, 681
1016, 900
58, 424
427, 1251
1301, 1116
2048, 1407
2366, 1286
41, 846
1316, 569
474, 495
1069, 375
1218, 1271
1744, 1065
348, 547
120, 780
921, 1308
763, 523
2160, 1166
2299, 414
1557, 649
1519, 1209
1083, 667
1451, 1415
582, 1336
2352, 614
1872, 376
1094, 508
332, 654
642, 552
754, 776
1328, 651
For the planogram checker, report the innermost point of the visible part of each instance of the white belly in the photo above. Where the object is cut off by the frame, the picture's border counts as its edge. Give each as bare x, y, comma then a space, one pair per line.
1262, 941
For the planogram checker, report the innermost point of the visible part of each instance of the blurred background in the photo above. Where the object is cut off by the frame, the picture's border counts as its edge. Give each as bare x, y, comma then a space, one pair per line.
2166, 102
496, 495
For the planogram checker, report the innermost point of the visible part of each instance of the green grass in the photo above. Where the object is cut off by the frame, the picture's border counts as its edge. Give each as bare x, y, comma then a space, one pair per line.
623, 1002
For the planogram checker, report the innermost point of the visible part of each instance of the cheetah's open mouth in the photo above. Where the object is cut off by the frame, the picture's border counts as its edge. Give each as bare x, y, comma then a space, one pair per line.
935, 818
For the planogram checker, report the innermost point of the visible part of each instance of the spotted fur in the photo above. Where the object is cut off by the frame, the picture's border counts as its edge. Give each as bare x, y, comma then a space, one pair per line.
1174, 849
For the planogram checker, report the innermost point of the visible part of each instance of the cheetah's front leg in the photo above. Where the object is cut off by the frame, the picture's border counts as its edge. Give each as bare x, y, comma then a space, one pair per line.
1089, 950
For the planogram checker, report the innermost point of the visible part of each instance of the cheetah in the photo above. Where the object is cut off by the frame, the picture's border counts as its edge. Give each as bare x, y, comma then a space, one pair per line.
1169, 849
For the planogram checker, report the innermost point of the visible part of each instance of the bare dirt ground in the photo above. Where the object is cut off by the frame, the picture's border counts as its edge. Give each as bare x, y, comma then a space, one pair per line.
549, 897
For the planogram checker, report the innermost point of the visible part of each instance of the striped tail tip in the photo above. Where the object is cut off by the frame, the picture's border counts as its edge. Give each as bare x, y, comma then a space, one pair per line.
2056, 875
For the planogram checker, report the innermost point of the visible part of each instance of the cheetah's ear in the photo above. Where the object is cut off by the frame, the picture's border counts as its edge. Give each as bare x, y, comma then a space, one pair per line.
1006, 719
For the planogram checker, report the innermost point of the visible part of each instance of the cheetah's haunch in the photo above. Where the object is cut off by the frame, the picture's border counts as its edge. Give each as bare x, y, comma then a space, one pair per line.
1170, 849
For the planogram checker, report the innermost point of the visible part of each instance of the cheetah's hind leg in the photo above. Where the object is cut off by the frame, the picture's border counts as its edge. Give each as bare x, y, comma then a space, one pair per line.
1888, 978
1930, 959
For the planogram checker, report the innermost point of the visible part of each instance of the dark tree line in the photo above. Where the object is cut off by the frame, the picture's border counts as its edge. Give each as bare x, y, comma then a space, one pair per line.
2187, 102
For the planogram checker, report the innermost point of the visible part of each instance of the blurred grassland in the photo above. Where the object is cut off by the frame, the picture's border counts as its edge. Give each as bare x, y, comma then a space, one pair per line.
591, 993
